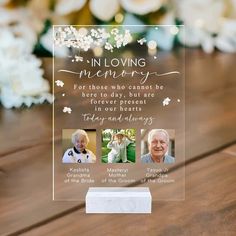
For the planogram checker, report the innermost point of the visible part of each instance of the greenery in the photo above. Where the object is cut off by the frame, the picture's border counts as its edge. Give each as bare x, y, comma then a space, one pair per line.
107, 133
106, 137
130, 153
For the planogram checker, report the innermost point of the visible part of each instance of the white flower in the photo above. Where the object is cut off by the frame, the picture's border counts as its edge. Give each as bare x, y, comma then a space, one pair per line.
109, 47
78, 58
71, 37
226, 39
114, 31
86, 43
64, 7
141, 7
21, 80
6, 16
47, 42
26, 33
206, 25
119, 40
94, 33
122, 39
127, 38
103, 33
193, 37
104, 10
59, 83
166, 101
67, 110
142, 41
204, 14
9, 99
100, 36
22, 23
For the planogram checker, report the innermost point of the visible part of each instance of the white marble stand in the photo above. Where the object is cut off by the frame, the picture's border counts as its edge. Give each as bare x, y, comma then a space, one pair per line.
118, 200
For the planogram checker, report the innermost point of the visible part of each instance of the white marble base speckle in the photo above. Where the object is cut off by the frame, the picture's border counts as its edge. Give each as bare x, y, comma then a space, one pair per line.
119, 200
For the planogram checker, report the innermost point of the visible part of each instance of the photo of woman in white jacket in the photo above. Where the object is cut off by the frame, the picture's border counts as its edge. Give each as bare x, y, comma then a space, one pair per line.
118, 145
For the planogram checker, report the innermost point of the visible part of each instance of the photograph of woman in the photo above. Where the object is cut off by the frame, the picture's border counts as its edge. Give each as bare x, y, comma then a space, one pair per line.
120, 148
79, 153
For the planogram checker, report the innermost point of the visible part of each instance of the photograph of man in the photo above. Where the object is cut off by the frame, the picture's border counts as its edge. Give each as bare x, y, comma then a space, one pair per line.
79, 153
158, 142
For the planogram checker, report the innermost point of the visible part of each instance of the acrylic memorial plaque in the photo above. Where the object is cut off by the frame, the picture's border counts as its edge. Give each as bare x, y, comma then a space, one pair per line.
119, 111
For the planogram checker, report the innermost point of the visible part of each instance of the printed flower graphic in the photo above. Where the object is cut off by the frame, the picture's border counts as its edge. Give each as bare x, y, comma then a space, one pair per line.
73, 38
77, 59
109, 47
67, 110
142, 41
166, 101
59, 83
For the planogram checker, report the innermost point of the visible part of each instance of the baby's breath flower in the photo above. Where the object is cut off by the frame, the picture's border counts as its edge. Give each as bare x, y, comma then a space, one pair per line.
108, 46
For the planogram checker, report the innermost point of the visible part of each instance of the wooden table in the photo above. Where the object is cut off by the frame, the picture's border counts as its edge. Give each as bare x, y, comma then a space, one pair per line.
26, 205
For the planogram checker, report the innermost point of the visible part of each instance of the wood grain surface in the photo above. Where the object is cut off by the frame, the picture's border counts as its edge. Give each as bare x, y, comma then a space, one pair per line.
206, 209
26, 205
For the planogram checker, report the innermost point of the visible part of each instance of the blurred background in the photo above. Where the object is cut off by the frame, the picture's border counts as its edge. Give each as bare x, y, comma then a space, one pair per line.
26, 34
